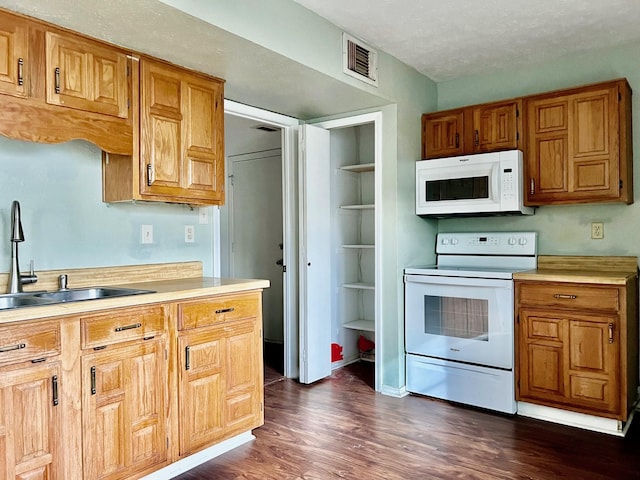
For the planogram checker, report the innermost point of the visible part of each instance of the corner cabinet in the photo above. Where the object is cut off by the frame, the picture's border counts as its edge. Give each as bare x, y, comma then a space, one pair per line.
220, 378
179, 155
577, 343
579, 145
476, 129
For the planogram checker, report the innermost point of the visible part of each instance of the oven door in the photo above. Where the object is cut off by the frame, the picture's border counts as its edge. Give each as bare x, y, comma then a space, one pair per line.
463, 319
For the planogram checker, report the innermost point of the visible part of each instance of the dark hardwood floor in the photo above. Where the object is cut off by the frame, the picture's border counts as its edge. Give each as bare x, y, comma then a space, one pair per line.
341, 428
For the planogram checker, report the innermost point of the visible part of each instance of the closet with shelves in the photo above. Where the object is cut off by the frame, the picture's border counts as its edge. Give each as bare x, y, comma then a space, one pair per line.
353, 226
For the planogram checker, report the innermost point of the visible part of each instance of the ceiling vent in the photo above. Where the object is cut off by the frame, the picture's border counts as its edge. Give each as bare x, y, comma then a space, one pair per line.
359, 60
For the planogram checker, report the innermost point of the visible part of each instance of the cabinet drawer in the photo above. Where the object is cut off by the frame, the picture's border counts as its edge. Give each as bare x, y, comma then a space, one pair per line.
122, 325
569, 295
29, 342
214, 310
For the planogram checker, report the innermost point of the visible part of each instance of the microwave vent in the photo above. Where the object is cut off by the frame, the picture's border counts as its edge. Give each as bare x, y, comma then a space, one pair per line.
266, 128
359, 60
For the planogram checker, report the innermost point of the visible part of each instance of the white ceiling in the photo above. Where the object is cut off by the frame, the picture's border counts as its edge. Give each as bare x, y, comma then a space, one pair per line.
445, 39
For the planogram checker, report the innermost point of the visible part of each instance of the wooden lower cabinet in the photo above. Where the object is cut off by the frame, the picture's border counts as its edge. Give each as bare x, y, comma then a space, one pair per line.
123, 409
220, 383
570, 359
577, 345
30, 423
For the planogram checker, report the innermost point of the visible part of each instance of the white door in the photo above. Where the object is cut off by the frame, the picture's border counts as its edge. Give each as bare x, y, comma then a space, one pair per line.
315, 254
257, 233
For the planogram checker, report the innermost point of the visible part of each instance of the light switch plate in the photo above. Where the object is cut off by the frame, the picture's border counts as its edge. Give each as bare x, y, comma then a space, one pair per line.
146, 234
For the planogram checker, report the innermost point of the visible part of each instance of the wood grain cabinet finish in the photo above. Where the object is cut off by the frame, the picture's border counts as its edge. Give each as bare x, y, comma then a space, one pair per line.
86, 75
220, 381
30, 423
579, 145
181, 134
57, 86
13, 55
575, 352
476, 129
123, 410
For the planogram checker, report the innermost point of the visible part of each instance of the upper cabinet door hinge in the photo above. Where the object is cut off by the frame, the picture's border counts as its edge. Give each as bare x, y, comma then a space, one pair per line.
517, 136
621, 183
517, 113
619, 97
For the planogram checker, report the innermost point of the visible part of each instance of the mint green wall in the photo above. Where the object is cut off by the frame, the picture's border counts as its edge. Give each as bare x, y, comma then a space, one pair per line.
562, 230
65, 223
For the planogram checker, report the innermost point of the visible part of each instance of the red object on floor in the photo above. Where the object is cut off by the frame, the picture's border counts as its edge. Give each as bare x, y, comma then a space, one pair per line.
336, 352
365, 345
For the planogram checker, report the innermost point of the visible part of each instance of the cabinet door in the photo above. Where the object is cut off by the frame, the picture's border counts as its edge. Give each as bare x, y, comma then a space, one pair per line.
593, 363
202, 388
495, 127
86, 76
13, 55
123, 410
244, 402
541, 356
442, 134
182, 135
203, 107
30, 423
573, 153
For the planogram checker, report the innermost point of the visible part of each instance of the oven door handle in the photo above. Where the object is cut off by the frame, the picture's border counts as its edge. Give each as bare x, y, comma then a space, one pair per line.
437, 280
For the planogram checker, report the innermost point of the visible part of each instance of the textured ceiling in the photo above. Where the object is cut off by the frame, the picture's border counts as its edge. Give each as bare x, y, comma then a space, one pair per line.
454, 38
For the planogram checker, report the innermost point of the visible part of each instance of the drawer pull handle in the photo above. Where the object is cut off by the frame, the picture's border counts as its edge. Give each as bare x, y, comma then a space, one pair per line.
57, 79
187, 358
93, 380
54, 387
128, 327
20, 71
611, 333
568, 297
12, 348
225, 310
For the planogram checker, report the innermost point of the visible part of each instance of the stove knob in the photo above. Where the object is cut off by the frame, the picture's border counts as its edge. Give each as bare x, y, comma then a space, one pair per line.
445, 241
522, 241
512, 240
454, 241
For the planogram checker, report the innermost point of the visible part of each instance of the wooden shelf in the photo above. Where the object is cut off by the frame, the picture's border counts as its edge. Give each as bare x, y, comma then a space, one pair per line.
358, 207
362, 325
360, 286
359, 168
362, 246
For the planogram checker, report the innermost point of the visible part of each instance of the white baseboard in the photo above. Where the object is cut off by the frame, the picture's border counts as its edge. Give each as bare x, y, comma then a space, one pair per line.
192, 461
575, 419
345, 361
394, 391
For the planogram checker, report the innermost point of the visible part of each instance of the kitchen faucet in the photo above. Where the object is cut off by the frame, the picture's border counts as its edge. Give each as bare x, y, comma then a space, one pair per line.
16, 280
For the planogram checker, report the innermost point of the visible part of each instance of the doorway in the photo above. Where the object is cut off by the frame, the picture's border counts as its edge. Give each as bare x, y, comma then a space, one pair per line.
257, 221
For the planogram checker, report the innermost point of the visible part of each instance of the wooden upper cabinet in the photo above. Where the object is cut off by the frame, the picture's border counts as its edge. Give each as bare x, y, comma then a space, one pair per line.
13, 55
477, 129
496, 126
579, 145
86, 75
443, 134
181, 135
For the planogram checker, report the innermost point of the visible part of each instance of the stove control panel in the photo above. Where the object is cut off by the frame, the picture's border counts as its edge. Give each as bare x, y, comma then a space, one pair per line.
492, 243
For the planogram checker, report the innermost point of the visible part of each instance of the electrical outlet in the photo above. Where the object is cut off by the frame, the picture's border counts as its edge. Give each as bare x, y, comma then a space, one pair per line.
146, 234
597, 230
189, 234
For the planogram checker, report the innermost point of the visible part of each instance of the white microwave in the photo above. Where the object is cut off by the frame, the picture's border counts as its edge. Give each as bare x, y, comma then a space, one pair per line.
471, 185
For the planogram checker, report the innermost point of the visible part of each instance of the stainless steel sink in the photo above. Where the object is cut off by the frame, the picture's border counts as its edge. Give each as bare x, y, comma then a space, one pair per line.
89, 293
21, 300
33, 299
